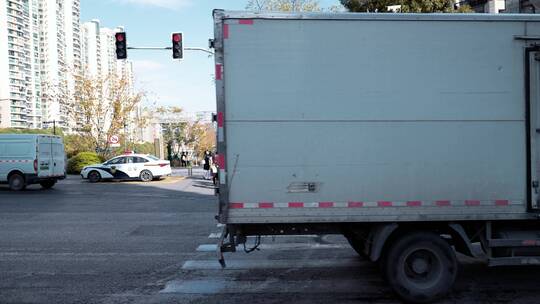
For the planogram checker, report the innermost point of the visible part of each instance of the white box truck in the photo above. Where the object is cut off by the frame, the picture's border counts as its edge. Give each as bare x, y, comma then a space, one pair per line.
31, 159
414, 135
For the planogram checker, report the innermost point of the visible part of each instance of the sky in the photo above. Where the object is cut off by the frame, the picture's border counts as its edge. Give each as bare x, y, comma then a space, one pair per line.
187, 83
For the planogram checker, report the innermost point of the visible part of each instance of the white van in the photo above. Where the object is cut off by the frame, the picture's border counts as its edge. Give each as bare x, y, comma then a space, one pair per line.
31, 159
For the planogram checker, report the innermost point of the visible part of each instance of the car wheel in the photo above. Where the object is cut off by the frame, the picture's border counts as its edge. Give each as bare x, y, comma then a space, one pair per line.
47, 184
421, 267
146, 176
94, 177
17, 182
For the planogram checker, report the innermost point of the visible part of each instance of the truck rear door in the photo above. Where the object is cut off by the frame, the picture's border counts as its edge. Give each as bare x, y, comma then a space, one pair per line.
532, 73
45, 156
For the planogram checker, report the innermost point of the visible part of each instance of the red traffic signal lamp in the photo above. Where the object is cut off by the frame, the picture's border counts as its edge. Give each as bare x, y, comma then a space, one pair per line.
177, 45
121, 45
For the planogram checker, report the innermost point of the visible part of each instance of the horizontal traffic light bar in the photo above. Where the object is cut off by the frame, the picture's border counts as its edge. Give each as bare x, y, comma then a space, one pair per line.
169, 48
177, 46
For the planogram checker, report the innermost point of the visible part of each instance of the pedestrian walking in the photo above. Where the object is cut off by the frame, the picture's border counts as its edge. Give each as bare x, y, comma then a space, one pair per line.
206, 165
214, 170
183, 159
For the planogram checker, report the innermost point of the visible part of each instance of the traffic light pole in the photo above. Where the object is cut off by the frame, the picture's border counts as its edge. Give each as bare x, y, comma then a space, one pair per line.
169, 48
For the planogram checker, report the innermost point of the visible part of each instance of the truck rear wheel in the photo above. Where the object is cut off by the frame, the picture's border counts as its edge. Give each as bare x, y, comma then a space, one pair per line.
47, 184
16, 182
421, 267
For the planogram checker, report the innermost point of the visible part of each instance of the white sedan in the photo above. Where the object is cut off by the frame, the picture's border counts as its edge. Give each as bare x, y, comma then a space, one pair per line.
128, 167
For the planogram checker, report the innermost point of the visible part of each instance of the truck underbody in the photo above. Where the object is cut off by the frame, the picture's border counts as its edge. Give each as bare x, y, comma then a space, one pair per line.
502, 242
408, 251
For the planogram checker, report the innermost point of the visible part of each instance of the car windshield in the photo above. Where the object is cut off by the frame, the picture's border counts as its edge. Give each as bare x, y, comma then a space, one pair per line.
152, 157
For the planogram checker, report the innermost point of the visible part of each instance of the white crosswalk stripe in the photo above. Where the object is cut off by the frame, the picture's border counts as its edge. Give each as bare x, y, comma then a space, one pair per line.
217, 235
279, 246
271, 285
300, 254
246, 264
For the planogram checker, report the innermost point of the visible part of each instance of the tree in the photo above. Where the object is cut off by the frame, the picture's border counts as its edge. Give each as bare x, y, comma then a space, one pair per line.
173, 129
407, 6
179, 133
75, 144
201, 137
284, 5
206, 139
102, 107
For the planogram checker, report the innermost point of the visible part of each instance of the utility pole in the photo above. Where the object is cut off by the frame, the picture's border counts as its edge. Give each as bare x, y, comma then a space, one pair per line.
54, 124
125, 137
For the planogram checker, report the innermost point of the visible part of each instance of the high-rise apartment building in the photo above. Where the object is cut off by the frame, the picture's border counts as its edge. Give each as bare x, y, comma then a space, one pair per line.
19, 63
91, 63
46, 48
36, 61
99, 54
60, 57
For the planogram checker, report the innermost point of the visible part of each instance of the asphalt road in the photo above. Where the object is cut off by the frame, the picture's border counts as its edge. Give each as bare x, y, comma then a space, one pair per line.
131, 242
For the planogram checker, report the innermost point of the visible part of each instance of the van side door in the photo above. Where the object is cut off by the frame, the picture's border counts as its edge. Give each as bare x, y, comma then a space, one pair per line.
58, 157
45, 156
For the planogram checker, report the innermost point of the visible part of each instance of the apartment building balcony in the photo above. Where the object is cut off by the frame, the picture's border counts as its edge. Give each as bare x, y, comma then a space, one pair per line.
19, 102
18, 111
19, 125
17, 8
14, 14
18, 122
18, 76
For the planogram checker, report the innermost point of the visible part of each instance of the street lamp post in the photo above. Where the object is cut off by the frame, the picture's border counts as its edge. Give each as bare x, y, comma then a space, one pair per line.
54, 124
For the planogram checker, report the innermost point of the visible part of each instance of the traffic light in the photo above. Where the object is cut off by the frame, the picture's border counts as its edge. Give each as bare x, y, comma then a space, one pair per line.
177, 46
121, 45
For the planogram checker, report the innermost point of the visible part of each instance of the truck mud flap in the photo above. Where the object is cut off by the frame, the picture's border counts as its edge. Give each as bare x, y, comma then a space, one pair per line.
225, 247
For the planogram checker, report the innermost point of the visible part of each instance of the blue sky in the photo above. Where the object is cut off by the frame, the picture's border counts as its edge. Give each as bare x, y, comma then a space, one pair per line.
188, 83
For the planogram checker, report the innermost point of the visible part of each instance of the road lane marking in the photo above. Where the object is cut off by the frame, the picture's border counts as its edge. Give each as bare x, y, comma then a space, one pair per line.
21, 254
217, 235
274, 264
280, 246
362, 285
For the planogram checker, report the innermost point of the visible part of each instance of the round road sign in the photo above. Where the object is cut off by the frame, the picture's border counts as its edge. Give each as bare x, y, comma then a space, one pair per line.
114, 139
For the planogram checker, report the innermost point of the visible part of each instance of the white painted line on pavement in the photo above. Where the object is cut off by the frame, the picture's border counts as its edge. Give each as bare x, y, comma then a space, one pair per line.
280, 246
274, 264
217, 235
275, 285
21, 254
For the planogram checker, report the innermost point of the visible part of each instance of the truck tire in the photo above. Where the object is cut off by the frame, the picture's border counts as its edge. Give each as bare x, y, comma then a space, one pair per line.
16, 182
47, 184
420, 267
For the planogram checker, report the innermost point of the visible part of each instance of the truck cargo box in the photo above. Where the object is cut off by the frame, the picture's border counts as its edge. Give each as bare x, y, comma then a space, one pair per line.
326, 118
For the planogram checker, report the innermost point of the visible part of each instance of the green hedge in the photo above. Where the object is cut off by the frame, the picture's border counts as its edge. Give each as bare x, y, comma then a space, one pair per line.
77, 162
